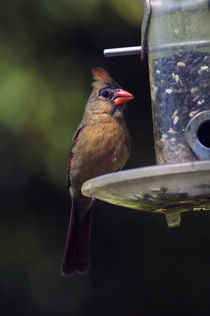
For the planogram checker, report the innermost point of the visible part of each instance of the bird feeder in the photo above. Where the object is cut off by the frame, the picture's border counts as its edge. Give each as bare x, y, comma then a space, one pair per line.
176, 37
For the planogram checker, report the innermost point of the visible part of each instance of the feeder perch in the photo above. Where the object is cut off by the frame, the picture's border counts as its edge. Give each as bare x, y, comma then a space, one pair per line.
176, 37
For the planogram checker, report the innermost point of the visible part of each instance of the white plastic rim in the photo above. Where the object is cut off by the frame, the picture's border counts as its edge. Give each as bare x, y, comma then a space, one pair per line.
169, 189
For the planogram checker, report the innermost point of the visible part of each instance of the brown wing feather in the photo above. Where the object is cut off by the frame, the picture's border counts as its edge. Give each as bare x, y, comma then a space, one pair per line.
75, 138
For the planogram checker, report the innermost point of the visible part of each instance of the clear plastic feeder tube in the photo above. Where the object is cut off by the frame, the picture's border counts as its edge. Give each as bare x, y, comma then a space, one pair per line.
179, 64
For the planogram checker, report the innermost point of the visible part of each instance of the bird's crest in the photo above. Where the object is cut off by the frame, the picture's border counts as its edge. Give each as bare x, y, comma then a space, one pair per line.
101, 77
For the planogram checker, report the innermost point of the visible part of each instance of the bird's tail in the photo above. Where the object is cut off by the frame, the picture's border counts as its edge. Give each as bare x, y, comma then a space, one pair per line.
77, 249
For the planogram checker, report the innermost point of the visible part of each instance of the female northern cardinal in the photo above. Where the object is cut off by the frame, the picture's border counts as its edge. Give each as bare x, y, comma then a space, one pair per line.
100, 145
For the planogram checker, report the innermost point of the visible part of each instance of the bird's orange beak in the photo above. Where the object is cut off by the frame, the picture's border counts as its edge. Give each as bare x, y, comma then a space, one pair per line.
122, 96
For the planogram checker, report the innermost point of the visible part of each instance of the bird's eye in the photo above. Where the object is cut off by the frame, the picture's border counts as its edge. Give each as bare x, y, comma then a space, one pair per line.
105, 94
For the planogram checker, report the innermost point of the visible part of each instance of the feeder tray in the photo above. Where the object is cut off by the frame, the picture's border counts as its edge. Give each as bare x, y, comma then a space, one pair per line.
169, 189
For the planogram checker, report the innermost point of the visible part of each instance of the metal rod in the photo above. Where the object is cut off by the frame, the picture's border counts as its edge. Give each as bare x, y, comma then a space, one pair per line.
136, 50
122, 51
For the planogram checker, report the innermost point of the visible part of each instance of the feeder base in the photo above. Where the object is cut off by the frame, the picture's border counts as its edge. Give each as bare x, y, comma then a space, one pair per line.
169, 189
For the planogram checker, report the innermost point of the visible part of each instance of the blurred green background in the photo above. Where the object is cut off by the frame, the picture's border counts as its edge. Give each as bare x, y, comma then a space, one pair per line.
138, 266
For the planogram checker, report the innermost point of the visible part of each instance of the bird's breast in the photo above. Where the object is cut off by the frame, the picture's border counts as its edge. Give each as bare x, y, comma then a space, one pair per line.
100, 149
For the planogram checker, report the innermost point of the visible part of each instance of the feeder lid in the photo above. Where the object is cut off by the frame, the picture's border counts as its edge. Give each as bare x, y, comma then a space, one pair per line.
170, 189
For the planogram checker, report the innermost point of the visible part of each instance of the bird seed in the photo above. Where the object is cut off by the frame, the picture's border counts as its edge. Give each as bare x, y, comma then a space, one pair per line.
182, 89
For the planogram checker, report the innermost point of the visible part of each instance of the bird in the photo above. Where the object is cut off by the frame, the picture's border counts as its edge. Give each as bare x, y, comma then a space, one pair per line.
101, 144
